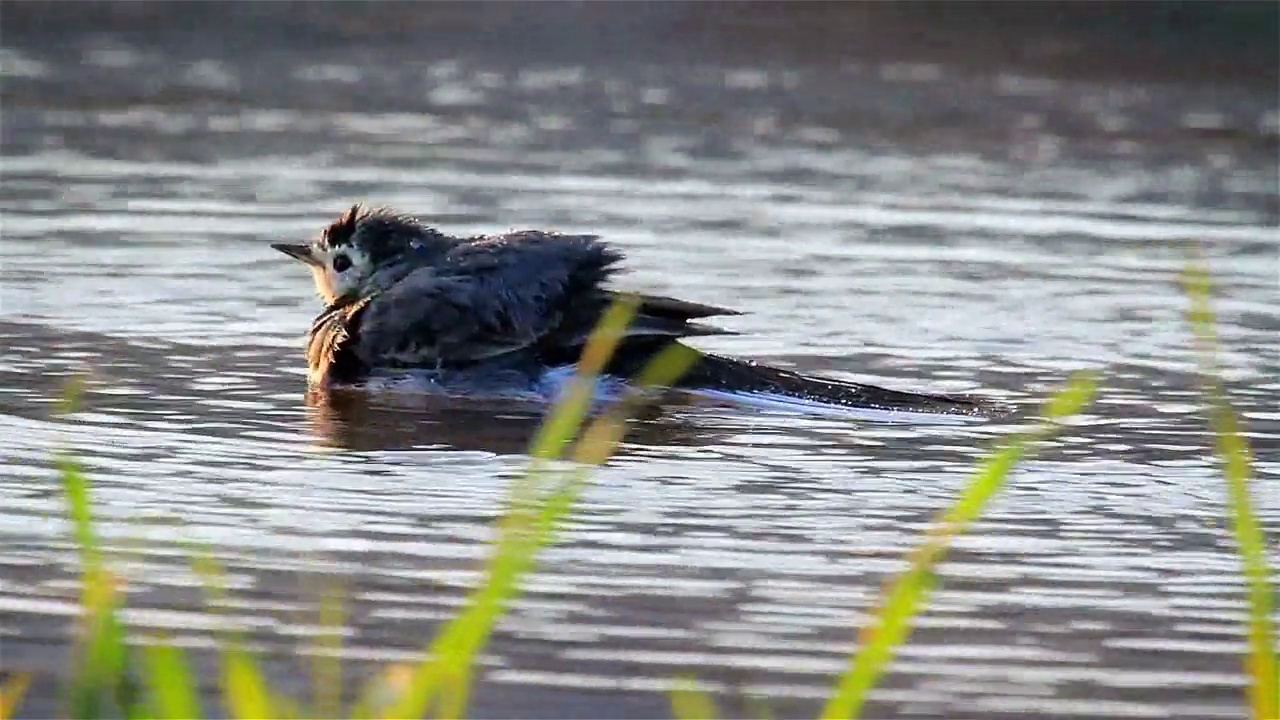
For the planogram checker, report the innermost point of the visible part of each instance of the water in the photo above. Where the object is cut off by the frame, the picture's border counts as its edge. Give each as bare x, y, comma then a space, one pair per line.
927, 224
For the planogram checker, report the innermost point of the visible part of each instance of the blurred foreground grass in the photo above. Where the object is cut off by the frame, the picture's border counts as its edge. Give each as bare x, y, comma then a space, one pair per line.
111, 679
1232, 449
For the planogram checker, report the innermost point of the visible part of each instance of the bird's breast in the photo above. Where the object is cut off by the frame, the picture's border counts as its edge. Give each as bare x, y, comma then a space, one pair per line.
331, 356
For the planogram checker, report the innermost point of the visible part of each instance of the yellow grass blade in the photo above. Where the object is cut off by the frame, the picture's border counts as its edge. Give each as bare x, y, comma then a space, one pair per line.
1232, 449
384, 690
538, 502
244, 687
246, 692
174, 694
72, 395
11, 694
101, 673
76, 488
326, 664
891, 623
690, 702
566, 417
212, 576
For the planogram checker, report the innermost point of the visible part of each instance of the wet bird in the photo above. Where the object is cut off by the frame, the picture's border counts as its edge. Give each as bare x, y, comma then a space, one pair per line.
401, 296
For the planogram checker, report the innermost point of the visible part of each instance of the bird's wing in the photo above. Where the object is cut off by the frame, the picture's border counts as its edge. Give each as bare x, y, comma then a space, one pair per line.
487, 297
669, 316
666, 307
656, 317
497, 295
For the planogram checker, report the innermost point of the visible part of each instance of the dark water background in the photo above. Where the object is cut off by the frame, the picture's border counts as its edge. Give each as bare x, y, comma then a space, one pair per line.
966, 197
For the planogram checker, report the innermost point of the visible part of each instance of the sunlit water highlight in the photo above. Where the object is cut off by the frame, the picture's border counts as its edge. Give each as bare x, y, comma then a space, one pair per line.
988, 252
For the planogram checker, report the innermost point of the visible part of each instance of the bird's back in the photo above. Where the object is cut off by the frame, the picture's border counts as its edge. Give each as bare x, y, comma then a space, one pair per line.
528, 294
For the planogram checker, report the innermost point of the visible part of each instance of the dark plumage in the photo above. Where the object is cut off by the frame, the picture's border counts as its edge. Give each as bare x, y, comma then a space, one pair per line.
402, 295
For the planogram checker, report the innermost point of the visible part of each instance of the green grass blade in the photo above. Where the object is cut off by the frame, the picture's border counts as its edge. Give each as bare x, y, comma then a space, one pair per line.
72, 395
246, 692
326, 663
76, 488
602, 437
173, 692
244, 687
106, 659
538, 502
455, 693
11, 694
566, 417
212, 577
384, 690
452, 653
102, 672
690, 702
891, 623
1232, 449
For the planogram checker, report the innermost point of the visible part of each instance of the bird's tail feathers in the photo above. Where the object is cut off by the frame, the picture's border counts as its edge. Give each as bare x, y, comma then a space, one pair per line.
731, 375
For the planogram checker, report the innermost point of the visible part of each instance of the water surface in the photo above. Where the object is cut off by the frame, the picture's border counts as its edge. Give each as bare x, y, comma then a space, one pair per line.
926, 225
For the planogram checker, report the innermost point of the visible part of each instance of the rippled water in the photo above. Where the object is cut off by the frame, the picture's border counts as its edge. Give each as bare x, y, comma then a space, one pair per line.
913, 224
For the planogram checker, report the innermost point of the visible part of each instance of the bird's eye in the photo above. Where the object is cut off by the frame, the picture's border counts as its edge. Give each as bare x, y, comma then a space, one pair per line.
341, 263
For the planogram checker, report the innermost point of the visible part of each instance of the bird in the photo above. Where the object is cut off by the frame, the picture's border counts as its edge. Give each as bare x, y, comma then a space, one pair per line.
401, 296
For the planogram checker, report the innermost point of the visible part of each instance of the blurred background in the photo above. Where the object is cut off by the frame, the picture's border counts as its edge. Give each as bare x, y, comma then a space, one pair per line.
974, 197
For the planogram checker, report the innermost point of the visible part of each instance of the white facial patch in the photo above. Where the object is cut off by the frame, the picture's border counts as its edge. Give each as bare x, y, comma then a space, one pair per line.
352, 277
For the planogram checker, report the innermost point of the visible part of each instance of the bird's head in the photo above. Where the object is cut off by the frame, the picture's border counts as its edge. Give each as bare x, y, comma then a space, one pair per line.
364, 251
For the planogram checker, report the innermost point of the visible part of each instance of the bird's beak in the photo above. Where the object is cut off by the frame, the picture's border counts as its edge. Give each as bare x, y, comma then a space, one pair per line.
296, 251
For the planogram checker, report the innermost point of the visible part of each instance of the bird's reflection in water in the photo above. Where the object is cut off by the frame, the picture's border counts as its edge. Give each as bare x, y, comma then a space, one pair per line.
359, 419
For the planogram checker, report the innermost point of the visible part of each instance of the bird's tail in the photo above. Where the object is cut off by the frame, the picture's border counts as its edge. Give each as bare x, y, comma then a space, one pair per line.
739, 378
